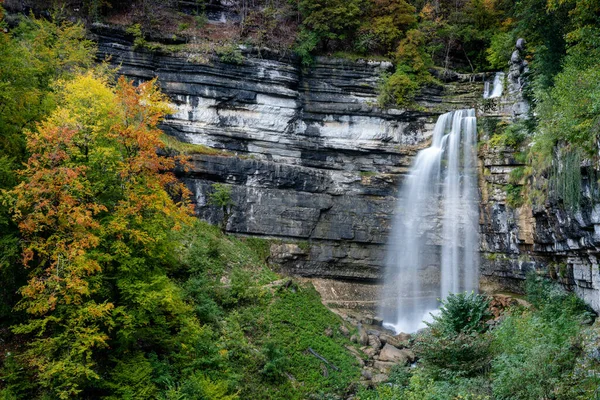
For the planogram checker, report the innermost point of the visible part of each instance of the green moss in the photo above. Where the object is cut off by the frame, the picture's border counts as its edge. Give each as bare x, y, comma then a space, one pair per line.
262, 247
304, 246
514, 195
347, 55
174, 144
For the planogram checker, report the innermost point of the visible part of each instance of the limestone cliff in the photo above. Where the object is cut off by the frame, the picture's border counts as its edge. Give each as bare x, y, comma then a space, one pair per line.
545, 238
311, 160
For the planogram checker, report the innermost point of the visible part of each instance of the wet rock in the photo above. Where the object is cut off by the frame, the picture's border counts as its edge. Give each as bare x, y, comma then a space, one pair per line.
378, 321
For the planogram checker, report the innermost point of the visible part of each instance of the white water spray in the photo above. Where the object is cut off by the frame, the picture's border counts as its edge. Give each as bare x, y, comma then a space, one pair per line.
438, 204
496, 89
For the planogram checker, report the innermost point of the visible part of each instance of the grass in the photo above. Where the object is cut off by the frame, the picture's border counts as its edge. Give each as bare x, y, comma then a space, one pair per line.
176, 145
257, 314
346, 55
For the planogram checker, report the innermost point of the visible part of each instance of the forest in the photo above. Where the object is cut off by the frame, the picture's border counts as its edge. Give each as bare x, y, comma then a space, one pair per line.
113, 289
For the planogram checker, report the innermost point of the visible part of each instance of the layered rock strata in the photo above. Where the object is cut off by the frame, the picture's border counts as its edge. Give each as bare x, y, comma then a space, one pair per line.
309, 158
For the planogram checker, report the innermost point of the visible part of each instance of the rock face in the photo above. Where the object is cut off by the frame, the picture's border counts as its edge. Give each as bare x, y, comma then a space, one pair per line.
311, 160
547, 239
313, 163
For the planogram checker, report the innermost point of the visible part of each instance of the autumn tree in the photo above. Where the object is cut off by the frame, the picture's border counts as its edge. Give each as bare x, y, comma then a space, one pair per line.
98, 209
32, 56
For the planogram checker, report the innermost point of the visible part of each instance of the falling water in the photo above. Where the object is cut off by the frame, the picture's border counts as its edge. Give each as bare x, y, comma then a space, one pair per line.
437, 206
497, 87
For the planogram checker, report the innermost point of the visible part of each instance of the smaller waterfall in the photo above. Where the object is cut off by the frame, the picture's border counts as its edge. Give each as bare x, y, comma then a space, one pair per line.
432, 250
496, 88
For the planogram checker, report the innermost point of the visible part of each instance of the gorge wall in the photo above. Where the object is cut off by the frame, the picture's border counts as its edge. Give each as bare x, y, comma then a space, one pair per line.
310, 160
546, 239
314, 166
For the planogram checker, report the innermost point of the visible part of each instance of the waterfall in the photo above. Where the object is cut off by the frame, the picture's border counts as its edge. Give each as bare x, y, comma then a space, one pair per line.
432, 250
497, 87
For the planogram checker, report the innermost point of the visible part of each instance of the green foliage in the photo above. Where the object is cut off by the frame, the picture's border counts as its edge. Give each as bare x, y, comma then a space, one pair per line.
454, 344
307, 42
501, 47
566, 179
201, 387
462, 313
412, 72
513, 136
230, 54
514, 195
220, 196
538, 349
275, 364
131, 378
330, 20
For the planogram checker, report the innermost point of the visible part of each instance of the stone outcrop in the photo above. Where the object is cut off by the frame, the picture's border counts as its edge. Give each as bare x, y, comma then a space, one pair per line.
546, 239
313, 164
311, 161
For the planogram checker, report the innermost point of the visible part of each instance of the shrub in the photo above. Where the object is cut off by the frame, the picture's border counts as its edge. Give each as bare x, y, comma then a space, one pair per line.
463, 313
275, 363
454, 344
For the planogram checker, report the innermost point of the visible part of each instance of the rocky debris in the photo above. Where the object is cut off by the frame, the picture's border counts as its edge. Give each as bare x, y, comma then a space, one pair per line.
367, 374
383, 366
379, 378
354, 339
344, 331
399, 341
373, 332
363, 337
370, 351
394, 355
356, 354
374, 342
328, 332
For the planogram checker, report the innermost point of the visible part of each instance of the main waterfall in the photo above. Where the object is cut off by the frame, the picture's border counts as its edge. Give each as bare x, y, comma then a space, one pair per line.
437, 209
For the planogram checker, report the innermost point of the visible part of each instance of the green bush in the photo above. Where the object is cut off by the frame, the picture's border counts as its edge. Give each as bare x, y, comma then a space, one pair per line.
230, 54
539, 348
463, 313
275, 363
454, 344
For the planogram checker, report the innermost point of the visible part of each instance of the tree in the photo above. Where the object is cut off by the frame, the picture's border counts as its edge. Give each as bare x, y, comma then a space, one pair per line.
96, 212
32, 56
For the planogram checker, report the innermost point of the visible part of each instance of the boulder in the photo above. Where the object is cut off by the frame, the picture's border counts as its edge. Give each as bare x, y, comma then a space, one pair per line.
363, 337
393, 340
344, 330
368, 375
383, 366
374, 342
379, 378
394, 355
